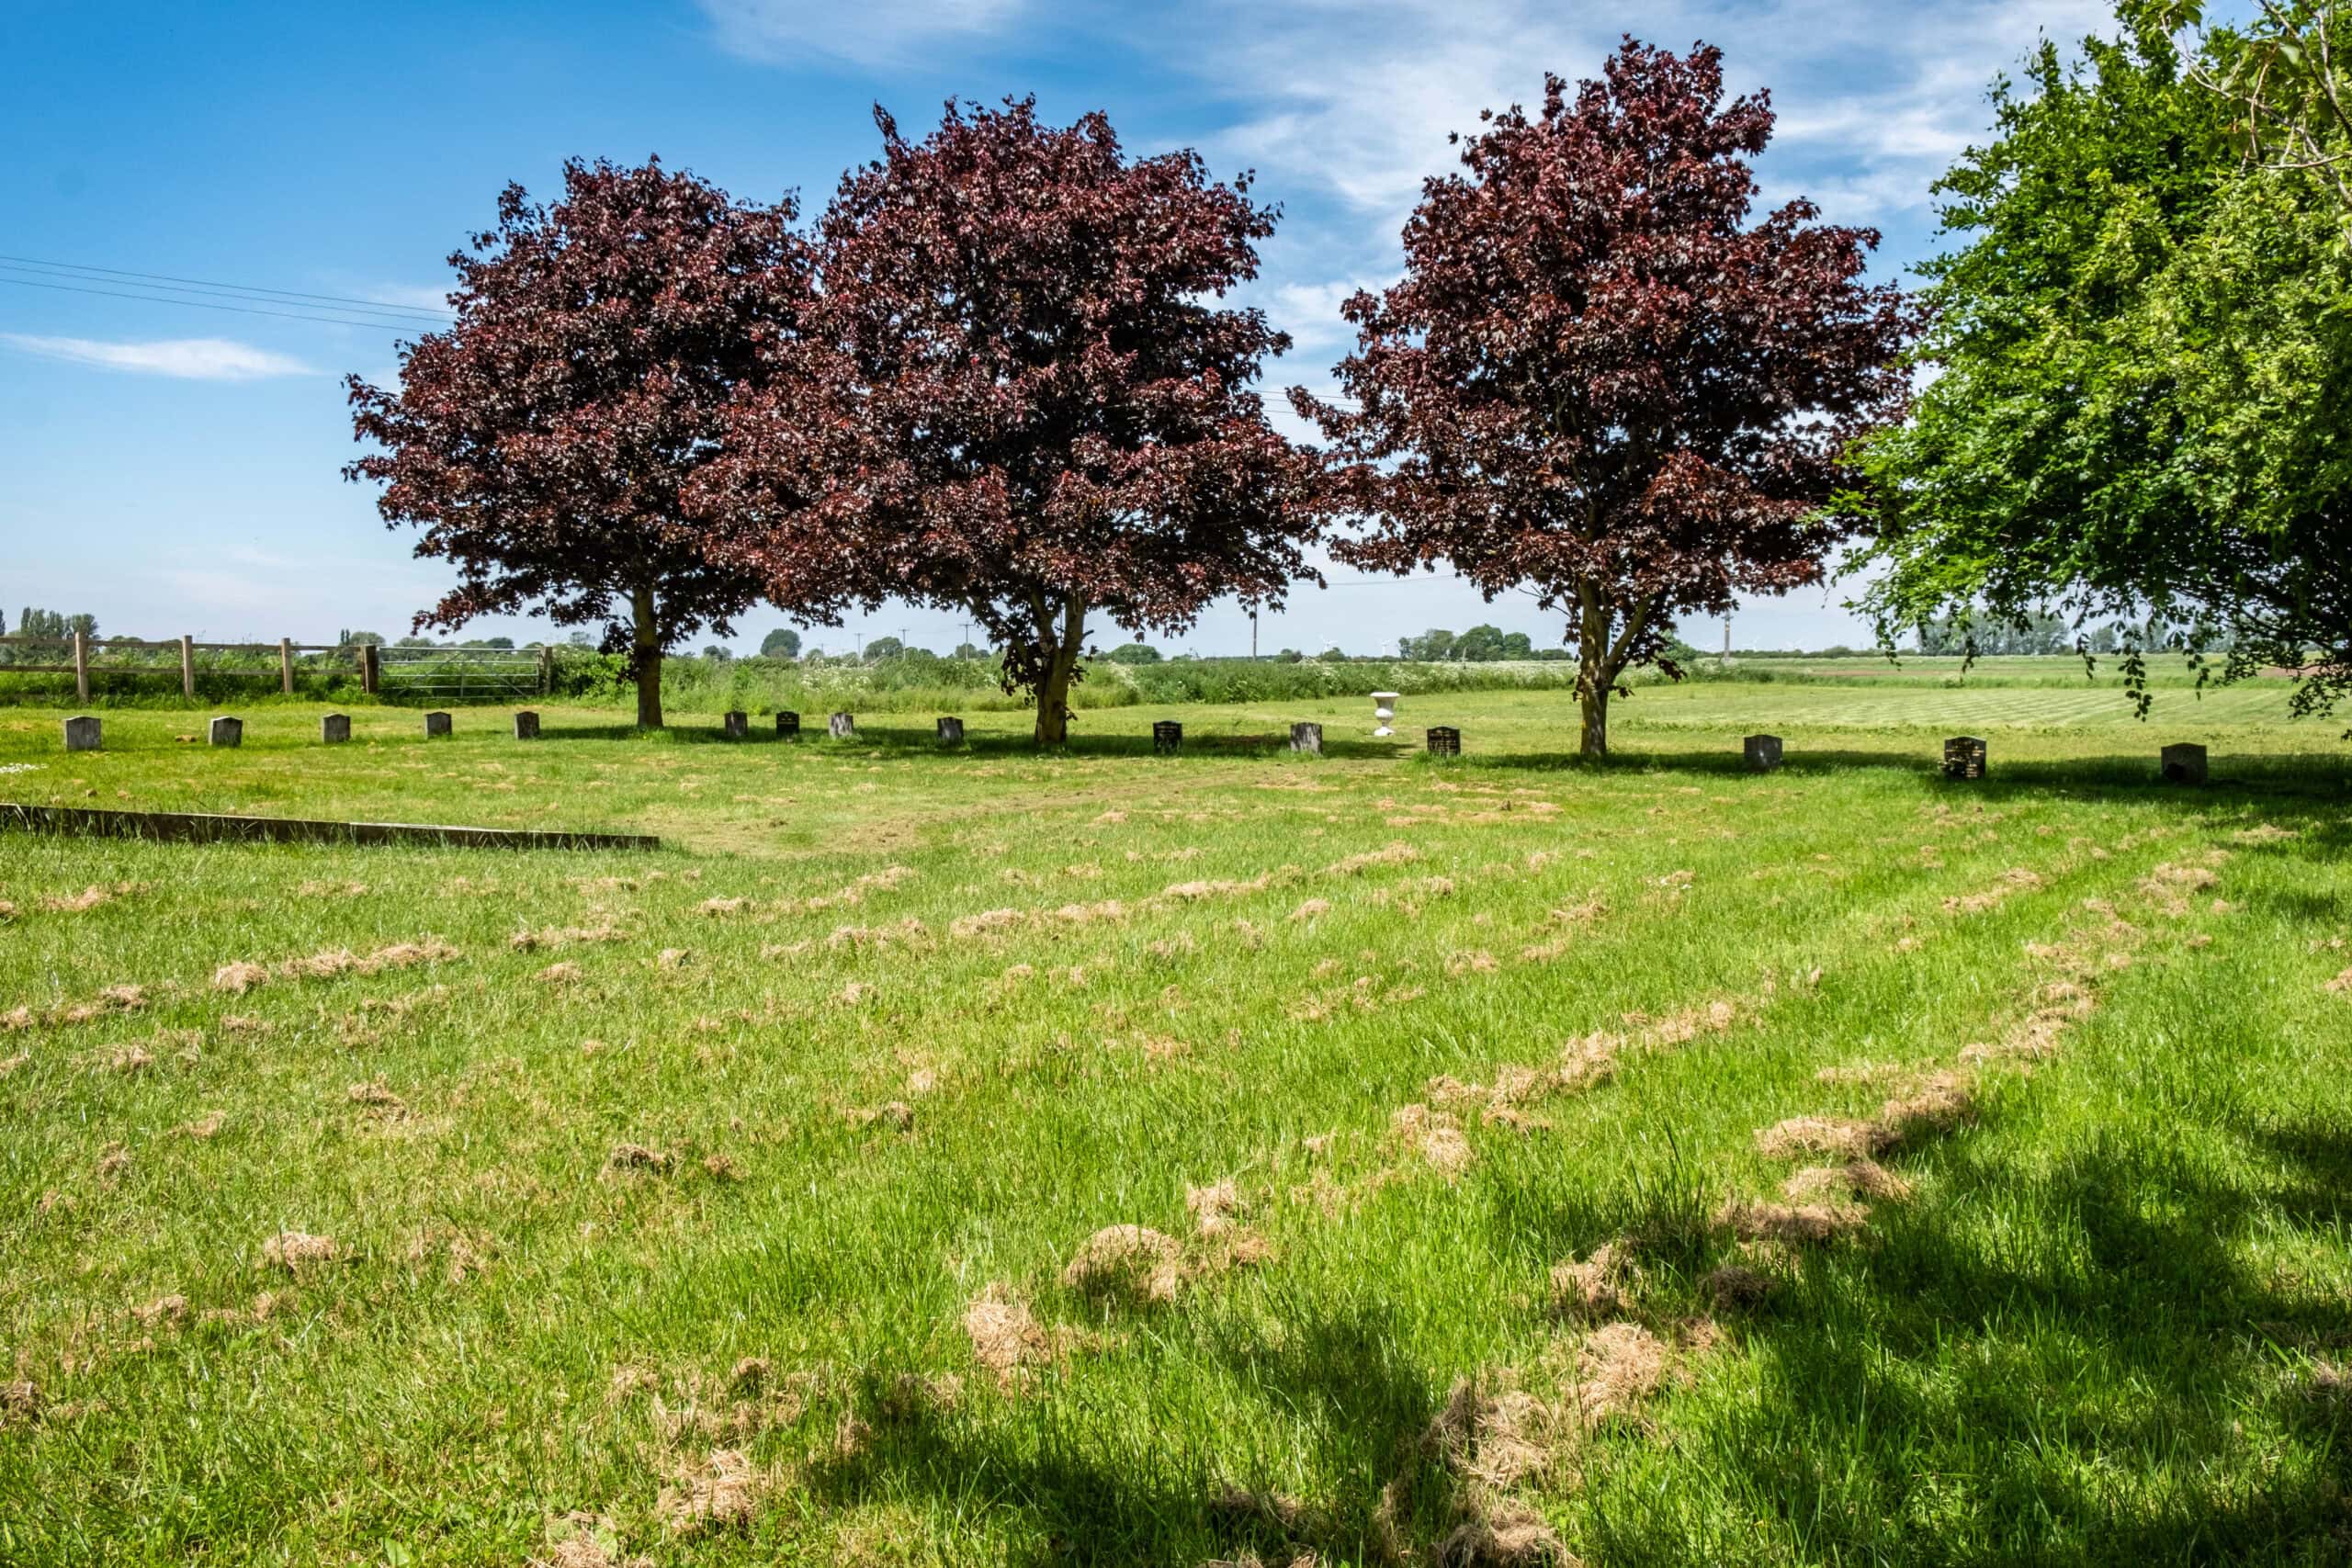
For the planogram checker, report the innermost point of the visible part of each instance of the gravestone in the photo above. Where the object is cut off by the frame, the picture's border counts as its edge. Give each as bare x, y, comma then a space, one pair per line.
735, 724
1308, 737
437, 723
951, 732
527, 725
1965, 757
82, 733
1445, 741
334, 728
228, 731
2184, 763
1166, 735
841, 726
1762, 752
787, 724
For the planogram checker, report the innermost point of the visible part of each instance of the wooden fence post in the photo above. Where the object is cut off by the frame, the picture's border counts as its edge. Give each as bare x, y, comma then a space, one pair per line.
81, 667
286, 666
187, 667
369, 672
547, 670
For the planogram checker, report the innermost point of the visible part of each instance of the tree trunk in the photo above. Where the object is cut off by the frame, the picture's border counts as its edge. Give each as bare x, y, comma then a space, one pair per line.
1594, 679
1593, 741
646, 654
1061, 667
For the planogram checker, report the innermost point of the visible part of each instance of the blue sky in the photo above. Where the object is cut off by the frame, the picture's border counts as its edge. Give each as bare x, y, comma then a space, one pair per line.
175, 469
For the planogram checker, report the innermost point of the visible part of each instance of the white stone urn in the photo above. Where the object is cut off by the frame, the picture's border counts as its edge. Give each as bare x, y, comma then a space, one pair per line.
1384, 708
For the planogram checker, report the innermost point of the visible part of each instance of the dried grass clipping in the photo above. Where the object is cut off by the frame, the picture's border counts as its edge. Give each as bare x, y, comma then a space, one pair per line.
719, 1493
1133, 1262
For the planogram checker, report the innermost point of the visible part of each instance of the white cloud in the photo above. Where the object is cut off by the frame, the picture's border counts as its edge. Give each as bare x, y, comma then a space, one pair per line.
1361, 100
1310, 312
873, 32
187, 358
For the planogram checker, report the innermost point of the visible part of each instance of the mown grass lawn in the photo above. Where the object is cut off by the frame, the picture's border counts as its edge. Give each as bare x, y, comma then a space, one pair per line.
1653, 1163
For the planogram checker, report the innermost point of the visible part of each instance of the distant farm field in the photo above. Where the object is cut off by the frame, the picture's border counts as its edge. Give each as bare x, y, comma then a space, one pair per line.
972, 1156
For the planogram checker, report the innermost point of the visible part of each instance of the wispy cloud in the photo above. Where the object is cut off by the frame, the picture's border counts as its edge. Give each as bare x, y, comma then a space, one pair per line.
187, 358
1361, 100
871, 33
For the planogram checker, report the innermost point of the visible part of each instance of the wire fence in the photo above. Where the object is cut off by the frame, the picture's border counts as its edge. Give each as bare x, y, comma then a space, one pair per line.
133, 665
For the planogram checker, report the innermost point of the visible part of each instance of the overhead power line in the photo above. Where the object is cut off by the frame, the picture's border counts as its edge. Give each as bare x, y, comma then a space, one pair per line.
203, 305
436, 313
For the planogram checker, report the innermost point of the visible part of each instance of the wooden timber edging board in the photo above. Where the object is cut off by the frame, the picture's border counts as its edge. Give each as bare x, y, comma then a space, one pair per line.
199, 828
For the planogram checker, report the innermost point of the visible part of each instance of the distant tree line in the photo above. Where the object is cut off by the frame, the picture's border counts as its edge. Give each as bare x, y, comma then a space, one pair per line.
49, 625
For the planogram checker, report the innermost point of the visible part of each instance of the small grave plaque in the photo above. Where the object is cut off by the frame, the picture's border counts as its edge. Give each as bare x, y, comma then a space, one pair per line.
228, 731
1965, 757
2183, 764
1308, 737
527, 725
1166, 735
951, 732
1445, 741
437, 723
81, 732
841, 726
787, 724
334, 728
1762, 752
736, 724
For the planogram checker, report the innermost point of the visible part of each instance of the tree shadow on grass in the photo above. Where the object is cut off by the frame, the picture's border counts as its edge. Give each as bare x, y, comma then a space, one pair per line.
2049, 1366
1344, 1377
2083, 1391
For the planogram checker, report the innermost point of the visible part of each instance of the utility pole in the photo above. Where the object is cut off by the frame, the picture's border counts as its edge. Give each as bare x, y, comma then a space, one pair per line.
1727, 641
1253, 635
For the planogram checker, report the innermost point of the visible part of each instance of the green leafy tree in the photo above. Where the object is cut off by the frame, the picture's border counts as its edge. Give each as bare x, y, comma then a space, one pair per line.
2143, 358
1480, 644
1134, 653
780, 643
882, 648
1432, 645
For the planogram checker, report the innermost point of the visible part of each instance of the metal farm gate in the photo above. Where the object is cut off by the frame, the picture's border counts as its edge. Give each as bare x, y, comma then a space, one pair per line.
460, 675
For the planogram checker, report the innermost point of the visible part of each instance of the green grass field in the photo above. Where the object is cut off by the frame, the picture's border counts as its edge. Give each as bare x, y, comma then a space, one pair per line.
971, 1156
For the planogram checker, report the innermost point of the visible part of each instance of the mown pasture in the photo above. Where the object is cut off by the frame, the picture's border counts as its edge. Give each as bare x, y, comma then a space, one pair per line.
970, 1155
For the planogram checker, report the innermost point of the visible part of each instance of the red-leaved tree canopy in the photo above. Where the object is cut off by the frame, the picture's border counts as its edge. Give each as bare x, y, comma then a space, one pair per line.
544, 441
1599, 380
1037, 411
